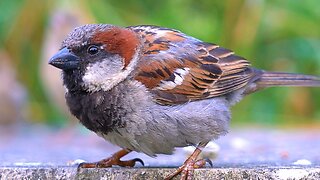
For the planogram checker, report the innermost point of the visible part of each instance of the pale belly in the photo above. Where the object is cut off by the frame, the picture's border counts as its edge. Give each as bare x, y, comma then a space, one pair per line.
159, 129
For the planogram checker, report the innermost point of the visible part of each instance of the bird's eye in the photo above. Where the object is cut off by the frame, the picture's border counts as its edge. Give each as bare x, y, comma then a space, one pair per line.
93, 49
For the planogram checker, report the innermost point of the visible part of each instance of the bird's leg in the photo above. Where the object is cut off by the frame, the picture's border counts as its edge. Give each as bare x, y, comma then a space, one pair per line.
190, 164
113, 160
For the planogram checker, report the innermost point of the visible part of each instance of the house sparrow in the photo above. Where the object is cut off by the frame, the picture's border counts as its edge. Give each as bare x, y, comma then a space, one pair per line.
150, 89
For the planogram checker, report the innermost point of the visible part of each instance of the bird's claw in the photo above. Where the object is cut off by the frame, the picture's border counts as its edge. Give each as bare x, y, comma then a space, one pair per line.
138, 160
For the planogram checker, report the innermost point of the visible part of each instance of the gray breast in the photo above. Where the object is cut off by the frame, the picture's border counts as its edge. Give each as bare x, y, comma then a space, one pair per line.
128, 117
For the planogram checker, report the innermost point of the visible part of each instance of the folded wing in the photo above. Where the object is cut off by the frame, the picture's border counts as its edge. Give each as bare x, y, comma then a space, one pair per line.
178, 68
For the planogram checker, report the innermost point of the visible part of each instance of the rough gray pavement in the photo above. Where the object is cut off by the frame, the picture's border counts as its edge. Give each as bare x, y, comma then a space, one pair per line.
157, 173
42, 153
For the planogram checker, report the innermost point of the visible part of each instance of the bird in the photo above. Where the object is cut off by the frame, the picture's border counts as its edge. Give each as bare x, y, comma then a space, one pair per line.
151, 89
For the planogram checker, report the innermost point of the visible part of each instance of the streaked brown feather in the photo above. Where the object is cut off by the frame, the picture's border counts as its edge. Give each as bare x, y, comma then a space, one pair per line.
147, 73
212, 70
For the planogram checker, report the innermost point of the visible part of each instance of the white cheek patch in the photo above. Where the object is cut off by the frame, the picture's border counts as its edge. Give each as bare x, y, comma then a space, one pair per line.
105, 75
178, 74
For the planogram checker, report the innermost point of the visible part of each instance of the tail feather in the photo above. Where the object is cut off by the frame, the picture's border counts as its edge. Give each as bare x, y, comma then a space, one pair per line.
264, 79
268, 79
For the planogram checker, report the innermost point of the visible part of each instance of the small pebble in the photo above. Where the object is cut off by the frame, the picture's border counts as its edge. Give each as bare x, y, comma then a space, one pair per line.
210, 151
303, 162
75, 162
239, 143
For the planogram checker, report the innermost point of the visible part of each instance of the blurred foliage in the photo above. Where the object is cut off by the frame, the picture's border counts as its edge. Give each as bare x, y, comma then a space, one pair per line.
279, 35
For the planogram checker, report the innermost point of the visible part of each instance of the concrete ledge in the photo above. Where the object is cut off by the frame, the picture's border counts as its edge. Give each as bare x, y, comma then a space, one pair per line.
40, 153
157, 173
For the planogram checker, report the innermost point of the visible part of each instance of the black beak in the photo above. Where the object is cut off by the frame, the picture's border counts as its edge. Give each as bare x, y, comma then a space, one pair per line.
65, 60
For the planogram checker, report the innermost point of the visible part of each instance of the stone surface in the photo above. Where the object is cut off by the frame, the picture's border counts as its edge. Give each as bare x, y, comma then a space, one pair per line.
34, 173
42, 153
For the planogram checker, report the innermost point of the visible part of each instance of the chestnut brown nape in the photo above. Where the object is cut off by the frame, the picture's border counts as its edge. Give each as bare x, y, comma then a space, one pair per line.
119, 41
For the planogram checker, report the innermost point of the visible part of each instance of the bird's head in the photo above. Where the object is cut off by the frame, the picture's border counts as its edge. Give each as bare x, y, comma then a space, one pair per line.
97, 56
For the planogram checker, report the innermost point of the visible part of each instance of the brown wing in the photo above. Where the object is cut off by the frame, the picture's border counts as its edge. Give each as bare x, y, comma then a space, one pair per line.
178, 68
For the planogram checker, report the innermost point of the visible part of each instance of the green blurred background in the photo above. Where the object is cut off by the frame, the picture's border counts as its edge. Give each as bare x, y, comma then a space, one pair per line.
279, 35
